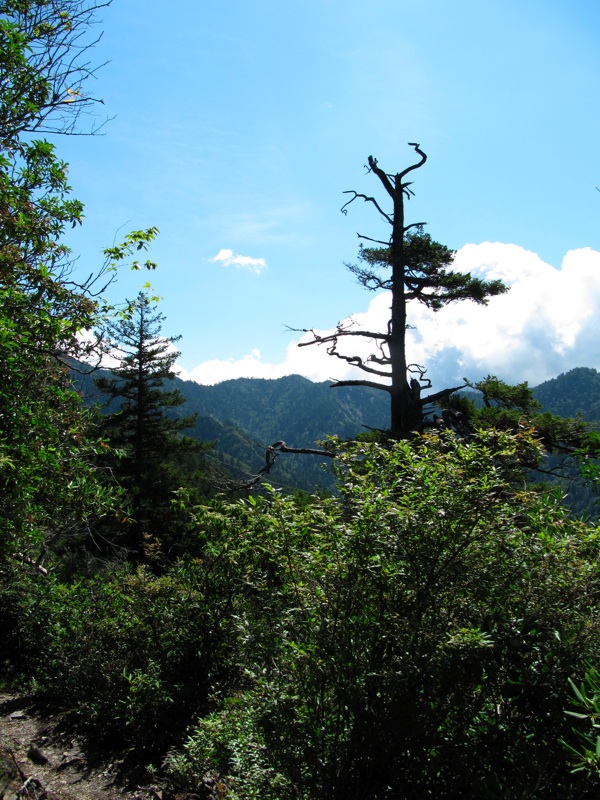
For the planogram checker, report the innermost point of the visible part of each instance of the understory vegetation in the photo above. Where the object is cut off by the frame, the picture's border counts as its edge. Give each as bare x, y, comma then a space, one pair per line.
429, 629
377, 643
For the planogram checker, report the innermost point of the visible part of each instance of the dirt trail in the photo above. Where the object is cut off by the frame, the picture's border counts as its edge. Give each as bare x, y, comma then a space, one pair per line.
41, 759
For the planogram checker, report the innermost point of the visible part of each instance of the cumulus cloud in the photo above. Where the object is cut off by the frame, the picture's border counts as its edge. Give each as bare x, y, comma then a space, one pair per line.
227, 258
543, 326
546, 324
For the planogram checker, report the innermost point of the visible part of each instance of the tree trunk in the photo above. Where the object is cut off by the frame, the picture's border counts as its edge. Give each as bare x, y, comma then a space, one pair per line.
405, 396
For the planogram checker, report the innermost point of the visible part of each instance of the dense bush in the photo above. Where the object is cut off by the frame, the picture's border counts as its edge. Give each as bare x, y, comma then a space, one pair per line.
413, 638
135, 655
416, 636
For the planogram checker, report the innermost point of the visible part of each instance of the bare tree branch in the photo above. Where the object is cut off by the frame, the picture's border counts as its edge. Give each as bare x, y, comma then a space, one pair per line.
367, 199
434, 398
272, 452
357, 361
384, 387
418, 164
341, 332
368, 239
330, 337
384, 178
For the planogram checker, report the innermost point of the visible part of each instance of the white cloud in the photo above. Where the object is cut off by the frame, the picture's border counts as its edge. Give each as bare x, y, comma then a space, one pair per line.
313, 363
228, 258
546, 324
543, 326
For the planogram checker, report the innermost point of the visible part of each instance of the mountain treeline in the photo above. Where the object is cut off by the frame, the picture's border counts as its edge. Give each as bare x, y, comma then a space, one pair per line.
243, 416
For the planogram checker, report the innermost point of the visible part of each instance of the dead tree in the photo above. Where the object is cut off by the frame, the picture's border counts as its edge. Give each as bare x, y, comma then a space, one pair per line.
418, 269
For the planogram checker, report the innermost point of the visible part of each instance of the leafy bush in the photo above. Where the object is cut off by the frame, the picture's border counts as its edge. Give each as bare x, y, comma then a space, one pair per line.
230, 743
411, 638
136, 655
585, 749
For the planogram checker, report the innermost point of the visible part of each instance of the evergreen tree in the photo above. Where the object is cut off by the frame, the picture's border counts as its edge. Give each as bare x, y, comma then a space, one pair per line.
420, 270
155, 457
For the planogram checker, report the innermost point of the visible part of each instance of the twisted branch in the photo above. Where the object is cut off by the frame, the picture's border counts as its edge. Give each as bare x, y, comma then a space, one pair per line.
367, 199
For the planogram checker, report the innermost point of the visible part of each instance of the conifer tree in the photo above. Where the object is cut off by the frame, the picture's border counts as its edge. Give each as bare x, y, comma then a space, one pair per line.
153, 450
419, 269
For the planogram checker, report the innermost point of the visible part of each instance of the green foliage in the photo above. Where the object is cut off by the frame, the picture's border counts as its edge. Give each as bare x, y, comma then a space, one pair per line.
514, 409
570, 446
428, 276
230, 745
585, 751
54, 472
153, 454
135, 656
53, 477
45, 448
571, 394
414, 637
134, 242
588, 456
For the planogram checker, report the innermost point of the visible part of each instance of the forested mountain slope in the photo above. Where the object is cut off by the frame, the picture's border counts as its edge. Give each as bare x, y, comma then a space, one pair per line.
571, 393
244, 415
290, 408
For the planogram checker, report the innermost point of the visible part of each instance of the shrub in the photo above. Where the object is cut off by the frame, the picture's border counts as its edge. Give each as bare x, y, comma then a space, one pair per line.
412, 637
136, 655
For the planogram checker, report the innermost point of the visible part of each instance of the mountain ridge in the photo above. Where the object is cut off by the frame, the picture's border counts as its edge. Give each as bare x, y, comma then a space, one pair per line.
245, 415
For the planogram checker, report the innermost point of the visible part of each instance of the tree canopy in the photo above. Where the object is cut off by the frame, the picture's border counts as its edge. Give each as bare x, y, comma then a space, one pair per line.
51, 476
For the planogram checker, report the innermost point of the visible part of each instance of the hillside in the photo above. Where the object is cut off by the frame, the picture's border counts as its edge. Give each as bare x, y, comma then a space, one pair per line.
572, 393
245, 415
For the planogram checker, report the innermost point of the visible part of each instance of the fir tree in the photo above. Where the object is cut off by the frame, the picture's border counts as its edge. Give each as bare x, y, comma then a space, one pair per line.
155, 457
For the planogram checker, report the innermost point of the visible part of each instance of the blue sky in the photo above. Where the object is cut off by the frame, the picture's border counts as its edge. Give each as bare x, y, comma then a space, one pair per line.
237, 126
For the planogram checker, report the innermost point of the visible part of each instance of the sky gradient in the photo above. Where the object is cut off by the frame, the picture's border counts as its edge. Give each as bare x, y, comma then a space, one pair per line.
235, 128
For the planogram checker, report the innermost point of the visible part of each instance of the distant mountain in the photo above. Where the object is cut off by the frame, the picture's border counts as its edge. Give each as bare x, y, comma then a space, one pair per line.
572, 393
245, 415
291, 408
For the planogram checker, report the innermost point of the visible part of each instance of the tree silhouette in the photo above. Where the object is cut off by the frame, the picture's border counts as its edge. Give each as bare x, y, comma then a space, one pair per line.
45, 67
419, 269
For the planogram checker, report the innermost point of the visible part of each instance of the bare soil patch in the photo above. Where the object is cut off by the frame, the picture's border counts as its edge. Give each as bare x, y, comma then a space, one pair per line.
43, 758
